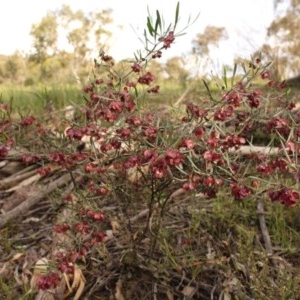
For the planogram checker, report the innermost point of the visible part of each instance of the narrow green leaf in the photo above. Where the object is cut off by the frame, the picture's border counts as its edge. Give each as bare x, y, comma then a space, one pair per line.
146, 38
150, 27
208, 90
169, 28
136, 92
189, 19
225, 77
157, 22
176, 15
244, 68
268, 64
233, 74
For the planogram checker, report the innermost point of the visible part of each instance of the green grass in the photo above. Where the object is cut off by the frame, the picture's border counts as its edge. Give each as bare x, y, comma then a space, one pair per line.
36, 99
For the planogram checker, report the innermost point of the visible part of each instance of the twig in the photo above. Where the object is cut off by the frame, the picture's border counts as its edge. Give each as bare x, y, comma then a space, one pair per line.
141, 215
263, 227
265, 232
181, 98
16, 153
155, 291
166, 109
145, 212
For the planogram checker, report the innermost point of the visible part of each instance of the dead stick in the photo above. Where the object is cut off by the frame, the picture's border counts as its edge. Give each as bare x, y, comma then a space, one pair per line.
141, 215
265, 232
33, 199
13, 180
181, 98
264, 228
3, 163
246, 150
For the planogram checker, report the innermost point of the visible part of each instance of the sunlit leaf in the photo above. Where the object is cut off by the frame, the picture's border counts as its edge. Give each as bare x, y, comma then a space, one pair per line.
208, 90
176, 15
225, 77
150, 27
233, 74
158, 21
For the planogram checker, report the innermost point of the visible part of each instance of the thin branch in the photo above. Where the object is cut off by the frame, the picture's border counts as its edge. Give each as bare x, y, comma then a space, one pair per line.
265, 232
264, 228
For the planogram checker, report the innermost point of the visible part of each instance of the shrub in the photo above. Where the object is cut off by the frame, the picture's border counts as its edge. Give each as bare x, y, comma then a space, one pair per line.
117, 150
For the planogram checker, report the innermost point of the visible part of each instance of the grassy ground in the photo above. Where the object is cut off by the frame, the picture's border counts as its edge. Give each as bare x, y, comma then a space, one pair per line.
199, 249
36, 99
205, 250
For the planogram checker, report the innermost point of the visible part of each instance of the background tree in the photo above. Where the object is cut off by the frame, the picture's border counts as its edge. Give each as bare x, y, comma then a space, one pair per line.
205, 42
80, 35
211, 37
45, 36
13, 68
85, 33
283, 45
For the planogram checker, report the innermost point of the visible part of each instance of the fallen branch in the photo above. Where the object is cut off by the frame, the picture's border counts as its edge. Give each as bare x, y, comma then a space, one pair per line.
33, 197
3, 163
264, 228
265, 233
13, 180
27, 182
14, 167
247, 150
